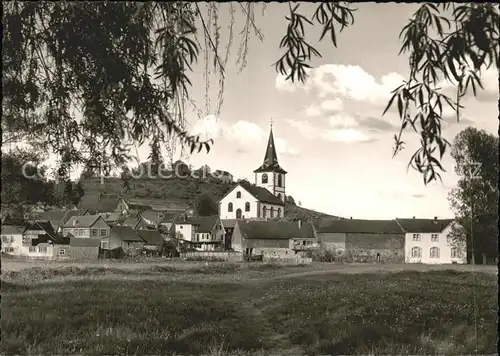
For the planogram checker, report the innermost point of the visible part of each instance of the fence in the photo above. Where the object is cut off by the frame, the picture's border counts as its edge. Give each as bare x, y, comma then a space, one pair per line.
212, 256
295, 260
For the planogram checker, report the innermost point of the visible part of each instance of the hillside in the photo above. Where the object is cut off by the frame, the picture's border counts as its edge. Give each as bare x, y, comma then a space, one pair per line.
184, 190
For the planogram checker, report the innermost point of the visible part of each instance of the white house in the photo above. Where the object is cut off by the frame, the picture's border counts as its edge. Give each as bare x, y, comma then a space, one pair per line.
184, 231
428, 241
12, 239
247, 201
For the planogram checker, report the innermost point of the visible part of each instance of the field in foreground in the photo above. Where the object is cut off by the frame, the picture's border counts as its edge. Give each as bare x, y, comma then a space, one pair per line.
227, 309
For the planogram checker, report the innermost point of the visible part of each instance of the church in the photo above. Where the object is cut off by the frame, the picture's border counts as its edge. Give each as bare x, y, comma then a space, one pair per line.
265, 199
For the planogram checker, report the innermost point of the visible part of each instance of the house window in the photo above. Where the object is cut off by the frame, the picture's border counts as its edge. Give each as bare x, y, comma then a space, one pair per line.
238, 195
62, 252
238, 214
94, 232
278, 212
416, 252
247, 206
32, 249
104, 245
80, 232
434, 252
416, 237
264, 178
103, 232
230, 207
26, 241
181, 227
9, 249
42, 249
280, 180
434, 237
455, 252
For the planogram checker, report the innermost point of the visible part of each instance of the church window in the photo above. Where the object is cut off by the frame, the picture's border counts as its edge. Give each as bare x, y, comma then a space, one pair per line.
278, 212
279, 196
247, 206
280, 180
272, 213
264, 212
230, 207
238, 214
264, 178
238, 195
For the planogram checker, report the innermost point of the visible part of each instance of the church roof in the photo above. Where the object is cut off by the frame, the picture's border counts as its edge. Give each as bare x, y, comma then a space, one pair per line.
271, 158
262, 194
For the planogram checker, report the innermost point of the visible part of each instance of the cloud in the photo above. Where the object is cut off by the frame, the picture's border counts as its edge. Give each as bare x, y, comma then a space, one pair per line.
207, 128
347, 81
342, 128
248, 135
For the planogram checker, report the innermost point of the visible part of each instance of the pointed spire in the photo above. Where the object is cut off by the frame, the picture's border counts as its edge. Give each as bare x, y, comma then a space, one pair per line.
271, 157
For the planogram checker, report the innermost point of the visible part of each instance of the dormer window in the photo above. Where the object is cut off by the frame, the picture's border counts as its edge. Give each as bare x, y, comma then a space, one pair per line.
264, 178
238, 195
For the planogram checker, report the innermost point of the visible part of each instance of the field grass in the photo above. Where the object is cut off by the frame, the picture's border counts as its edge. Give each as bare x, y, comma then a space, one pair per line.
227, 309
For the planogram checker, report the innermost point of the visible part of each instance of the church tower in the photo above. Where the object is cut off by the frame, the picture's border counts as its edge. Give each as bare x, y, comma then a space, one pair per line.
270, 175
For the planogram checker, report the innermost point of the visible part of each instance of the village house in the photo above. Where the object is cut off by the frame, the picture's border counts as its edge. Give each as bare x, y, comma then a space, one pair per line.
273, 239
57, 218
82, 249
428, 241
363, 240
12, 239
103, 203
153, 241
38, 240
208, 233
123, 237
88, 226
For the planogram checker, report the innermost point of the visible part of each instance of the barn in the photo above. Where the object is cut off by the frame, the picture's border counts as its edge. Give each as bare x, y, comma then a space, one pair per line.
362, 240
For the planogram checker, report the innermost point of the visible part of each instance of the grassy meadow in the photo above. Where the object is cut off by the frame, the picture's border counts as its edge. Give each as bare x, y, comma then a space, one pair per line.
229, 309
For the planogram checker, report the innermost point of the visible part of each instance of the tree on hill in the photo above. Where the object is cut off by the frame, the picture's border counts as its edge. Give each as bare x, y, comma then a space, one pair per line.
133, 85
206, 206
290, 200
475, 200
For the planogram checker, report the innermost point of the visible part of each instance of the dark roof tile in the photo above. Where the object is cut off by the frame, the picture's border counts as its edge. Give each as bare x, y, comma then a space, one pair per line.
357, 226
151, 237
275, 230
424, 225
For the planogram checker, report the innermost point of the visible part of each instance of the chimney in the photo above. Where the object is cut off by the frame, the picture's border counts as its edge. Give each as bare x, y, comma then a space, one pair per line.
300, 223
435, 219
414, 217
350, 218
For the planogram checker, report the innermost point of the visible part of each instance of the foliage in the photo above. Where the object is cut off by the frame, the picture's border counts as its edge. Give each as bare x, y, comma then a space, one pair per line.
206, 206
290, 200
23, 179
127, 71
475, 201
444, 42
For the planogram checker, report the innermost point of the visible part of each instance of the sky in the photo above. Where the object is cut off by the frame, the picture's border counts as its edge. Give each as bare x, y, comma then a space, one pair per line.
330, 134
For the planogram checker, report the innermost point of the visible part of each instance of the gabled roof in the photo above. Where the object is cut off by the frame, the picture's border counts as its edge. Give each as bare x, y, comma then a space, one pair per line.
261, 194
205, 224
132, 222
357, 226
84, 242
58, 217
12, 230
82, 221
44, 226
125, 233
151, 237
424, 225
271, 158
110, 217
275, 230
106, 203
229, 223
153, 216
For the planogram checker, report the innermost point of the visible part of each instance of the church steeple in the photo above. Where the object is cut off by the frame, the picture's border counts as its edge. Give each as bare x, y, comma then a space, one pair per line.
270, 175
